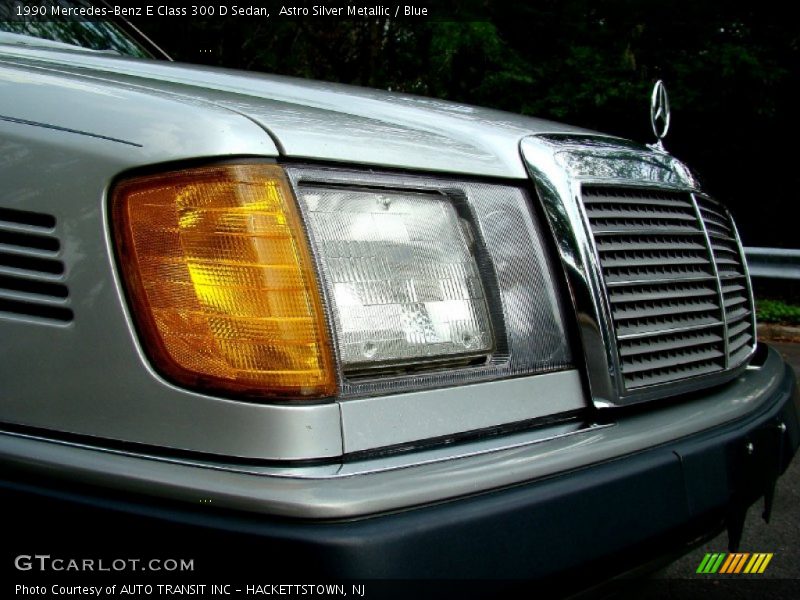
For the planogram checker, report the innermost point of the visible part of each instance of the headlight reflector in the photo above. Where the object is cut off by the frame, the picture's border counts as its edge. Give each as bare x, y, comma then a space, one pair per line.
221, 281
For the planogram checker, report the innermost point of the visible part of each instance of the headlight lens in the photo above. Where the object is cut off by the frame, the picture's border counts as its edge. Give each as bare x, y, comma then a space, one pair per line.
222, 283
407, 292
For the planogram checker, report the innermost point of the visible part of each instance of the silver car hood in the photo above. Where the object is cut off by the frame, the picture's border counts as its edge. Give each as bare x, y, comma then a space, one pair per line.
318, 120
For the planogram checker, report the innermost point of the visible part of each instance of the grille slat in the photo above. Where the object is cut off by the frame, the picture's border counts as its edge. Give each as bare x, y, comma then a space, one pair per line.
602, 211
728, 272
717, 231
651, 260
659, 309
637, 201
739, 341
620, 294
33, 286
31, 272
733, 301
670, 375
657, 326
720, 246
737, 313
660, 281
728, 288
675, 283
671, 359
742, 318
738, 357
713, 216
727, 261
684, 330
651, 345
712, 220
661, 275
738, 328
10, 217
649, 243
642, 227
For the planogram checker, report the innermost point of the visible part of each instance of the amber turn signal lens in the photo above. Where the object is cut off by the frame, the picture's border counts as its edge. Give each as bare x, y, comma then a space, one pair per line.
222, 283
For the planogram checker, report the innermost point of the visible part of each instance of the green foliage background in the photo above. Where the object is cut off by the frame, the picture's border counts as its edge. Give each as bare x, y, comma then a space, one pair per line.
731, 69
777, 311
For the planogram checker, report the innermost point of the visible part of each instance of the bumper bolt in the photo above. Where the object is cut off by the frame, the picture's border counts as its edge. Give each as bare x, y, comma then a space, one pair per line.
749, 447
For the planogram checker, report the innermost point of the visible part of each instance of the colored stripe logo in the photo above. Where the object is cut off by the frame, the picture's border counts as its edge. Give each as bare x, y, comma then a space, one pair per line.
734, 563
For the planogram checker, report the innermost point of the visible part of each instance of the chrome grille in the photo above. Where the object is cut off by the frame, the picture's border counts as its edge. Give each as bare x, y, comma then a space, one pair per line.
31, 274
675, 282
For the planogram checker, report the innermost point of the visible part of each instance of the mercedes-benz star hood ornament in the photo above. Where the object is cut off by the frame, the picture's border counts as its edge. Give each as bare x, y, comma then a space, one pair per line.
659, 113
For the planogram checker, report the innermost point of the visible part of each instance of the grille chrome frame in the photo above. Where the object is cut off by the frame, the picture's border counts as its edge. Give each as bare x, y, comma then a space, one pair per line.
561, 166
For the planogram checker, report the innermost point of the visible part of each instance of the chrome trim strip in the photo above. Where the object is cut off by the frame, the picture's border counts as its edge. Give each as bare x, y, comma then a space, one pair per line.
598, 280
648, 231
633, 336
561, 206
613, 284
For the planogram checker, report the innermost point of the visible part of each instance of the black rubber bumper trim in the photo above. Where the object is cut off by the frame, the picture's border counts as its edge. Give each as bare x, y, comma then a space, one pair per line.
621, 512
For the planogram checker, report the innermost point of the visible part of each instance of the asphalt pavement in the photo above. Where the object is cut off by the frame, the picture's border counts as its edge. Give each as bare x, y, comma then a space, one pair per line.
780, 537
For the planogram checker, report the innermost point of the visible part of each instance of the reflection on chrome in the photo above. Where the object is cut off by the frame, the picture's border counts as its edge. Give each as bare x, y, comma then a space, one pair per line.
561, 166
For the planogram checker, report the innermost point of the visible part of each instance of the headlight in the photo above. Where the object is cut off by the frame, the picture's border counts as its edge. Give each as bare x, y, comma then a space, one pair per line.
406, 287
364, 284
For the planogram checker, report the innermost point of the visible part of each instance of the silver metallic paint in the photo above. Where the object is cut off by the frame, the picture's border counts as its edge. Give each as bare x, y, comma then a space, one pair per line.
91, 376
393, 420
386, 484
156, 126
310, 119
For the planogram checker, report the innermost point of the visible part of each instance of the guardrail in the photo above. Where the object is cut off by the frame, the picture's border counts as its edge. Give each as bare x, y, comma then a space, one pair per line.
773, 263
